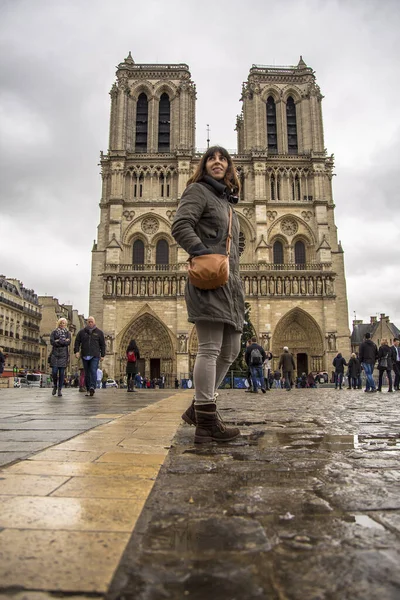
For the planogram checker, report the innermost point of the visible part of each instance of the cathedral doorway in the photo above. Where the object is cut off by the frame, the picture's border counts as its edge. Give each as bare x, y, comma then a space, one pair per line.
157, 353
300, 332
302, 363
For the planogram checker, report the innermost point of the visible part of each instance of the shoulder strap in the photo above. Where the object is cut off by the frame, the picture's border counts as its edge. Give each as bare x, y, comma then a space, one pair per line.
229, 238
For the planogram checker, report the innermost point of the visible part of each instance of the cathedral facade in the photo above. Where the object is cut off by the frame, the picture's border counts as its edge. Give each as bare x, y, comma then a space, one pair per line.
292, 265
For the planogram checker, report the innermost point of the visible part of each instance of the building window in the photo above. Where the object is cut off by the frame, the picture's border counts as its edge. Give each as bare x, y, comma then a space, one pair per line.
138, 252
162, 253
291, 125
299, 253
164, 124
296, 193
142, 117
164, 187
278, 253
271, 126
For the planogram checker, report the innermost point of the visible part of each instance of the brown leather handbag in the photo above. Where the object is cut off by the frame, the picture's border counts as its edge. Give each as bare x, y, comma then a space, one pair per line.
211, 271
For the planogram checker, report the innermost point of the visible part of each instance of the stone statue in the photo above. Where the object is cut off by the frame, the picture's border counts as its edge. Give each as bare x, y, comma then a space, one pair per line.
174, 286
108, 345
328, 286
295, 286
135, 287
127, 287
182, 343
279, 286
303, 286
246, 286
182, 284
119, 286
151, 287
310, 285
109, 286
319, 286
142, 287
287, 286
166, 287
263, 286
255, 286
158, 286
271, 287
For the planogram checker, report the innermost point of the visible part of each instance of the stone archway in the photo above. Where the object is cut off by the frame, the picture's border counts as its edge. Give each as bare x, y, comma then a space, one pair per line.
301, 333
157, 355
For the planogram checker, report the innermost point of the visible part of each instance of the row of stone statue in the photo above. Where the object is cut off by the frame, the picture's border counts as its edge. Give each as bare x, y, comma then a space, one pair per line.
253, 286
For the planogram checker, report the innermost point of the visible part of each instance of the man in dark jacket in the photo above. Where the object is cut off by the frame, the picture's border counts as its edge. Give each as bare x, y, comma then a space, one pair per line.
339, 363
255, 357
286, 363
368, 353
396, 363
90, 344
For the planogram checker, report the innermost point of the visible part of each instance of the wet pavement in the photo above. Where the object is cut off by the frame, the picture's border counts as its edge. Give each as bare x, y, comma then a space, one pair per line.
305, 505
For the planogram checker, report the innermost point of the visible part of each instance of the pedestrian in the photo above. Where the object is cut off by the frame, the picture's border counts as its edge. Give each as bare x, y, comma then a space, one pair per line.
396, 363
354, 371
200, 227
255, 357
248, 373
277, 379
339, 363
99, 377
368, 353
311, 383
60, 339
132, 357
386, 356
90, 344
176, 384
267, 370
286, 363
2, 361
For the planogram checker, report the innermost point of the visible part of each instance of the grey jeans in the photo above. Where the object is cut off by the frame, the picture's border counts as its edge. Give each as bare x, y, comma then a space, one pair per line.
219, 345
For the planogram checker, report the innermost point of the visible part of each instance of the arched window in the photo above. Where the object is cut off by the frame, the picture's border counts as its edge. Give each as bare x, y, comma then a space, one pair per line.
271, 125
291, 125
272, 181
162, 254
278, 253
138, 252
299, 253
142, 117
295, 188
164, 124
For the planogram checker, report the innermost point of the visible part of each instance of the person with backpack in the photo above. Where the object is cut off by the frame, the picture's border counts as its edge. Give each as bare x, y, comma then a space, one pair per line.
286, 363
255, 357
132, 357
385, 363
339, 363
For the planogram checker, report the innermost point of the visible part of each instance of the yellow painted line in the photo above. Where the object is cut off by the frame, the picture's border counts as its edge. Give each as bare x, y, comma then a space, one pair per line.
67, 513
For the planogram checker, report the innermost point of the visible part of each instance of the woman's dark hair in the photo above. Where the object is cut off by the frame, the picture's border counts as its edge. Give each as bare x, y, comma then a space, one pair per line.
230, 180
132, 346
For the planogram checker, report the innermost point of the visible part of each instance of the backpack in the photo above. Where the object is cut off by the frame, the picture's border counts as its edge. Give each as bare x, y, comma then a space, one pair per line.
256, 358
131, 356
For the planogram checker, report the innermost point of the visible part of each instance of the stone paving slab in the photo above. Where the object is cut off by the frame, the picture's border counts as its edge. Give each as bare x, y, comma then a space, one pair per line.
291, 510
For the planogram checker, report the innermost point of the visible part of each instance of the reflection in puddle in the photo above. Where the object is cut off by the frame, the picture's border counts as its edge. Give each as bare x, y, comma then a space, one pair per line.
312, 441
366, 521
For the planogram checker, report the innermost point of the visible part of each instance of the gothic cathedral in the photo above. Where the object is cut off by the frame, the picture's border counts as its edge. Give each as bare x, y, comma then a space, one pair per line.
291, 262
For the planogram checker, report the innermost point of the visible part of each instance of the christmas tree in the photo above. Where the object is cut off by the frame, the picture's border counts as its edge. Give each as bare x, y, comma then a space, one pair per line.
248, 331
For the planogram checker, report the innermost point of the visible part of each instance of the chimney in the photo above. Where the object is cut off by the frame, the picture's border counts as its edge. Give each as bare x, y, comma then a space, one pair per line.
373, 320
382, 316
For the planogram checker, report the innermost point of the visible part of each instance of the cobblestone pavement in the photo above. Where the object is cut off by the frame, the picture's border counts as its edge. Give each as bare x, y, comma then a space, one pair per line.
305, 505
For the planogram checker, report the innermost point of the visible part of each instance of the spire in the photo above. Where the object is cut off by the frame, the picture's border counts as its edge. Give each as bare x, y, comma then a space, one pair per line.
129, 60
302, 64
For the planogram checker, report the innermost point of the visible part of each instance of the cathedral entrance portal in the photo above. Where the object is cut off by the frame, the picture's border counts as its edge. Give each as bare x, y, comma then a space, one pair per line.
155, 347
302, 335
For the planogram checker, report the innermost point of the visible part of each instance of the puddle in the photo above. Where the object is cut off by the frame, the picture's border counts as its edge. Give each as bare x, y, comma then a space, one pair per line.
366, 521
289, 441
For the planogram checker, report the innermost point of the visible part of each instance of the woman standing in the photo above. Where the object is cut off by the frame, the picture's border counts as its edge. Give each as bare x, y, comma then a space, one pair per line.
385, 363
354, 371
201, 227
60, 339
132, 356
267, 370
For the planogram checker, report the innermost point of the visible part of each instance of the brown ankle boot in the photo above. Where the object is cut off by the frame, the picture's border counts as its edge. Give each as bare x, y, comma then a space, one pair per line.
209, 428
189, 416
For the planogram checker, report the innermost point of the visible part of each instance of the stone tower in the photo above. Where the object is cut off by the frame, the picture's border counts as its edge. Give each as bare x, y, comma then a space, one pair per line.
292, 265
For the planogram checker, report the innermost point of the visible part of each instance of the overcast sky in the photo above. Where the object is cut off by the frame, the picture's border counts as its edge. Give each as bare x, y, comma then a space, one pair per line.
58, 62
